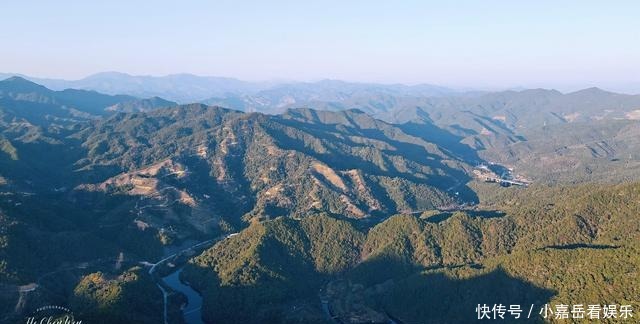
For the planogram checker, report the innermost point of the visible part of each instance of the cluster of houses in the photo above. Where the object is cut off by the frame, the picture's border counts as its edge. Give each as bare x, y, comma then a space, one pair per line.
484, 173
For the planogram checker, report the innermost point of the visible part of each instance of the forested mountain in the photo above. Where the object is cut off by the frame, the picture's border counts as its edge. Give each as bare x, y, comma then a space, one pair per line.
497, 120
529, 130
553, 137
89, 102
22, 96
309, 214
141, 105
527, 108
243, 166
35, 125
193, 170
533, 250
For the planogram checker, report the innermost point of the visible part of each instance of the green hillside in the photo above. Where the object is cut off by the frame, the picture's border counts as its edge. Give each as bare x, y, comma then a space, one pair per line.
560, 245
337, 213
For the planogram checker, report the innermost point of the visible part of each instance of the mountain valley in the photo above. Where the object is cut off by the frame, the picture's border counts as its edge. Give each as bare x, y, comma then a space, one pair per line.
351, 203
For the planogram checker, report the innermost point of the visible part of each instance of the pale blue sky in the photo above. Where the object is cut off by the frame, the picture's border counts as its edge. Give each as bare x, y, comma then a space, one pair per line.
455, 43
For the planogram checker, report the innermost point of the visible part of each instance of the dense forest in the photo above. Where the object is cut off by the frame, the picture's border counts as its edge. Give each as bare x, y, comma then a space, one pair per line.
566, 245
309, 216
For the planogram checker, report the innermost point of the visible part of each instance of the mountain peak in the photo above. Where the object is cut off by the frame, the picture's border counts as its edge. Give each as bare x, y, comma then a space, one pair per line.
592, 91
17, 79
20, 84
108, 74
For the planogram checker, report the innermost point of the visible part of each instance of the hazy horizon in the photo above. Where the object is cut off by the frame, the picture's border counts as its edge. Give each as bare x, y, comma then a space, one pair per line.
489, 45
633, 89
319, 162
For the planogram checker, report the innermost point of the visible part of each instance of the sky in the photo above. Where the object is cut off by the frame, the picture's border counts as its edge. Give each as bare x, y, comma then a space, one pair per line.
476, 44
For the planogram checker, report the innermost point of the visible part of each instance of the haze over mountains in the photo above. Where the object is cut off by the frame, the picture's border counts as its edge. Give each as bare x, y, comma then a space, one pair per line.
351, 193
341, 156
189, 88
319, 162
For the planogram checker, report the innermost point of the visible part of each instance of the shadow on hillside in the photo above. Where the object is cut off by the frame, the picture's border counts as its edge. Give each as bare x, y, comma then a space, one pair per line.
443, 139
60, 240
391, 285
486, 213
437, 218
341, 159
438, 298
81, 229
443, 216
271, 300
582, 246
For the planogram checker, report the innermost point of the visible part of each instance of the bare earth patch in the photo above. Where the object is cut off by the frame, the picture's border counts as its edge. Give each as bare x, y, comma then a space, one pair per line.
571, 117
329, 174
633, 115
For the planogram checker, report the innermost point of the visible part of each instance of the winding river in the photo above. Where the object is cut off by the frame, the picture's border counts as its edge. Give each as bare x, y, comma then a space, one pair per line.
192, 313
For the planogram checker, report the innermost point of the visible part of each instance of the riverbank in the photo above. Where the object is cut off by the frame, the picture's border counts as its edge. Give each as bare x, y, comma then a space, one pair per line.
192, 311
169, 267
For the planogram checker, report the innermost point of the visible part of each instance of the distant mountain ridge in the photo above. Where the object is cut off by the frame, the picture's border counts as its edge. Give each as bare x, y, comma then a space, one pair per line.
189, 88
83, 101
544, 133
93, 181
509, 127
329, 95
184, 88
